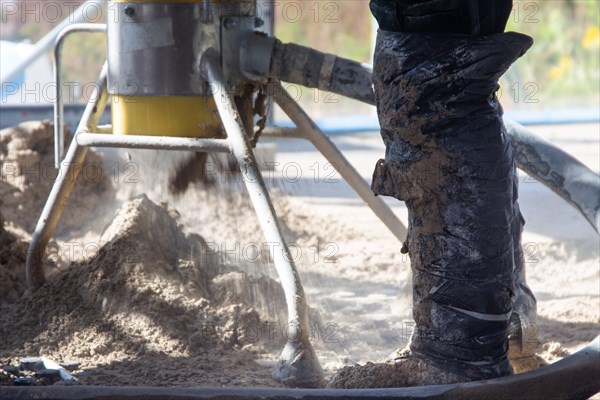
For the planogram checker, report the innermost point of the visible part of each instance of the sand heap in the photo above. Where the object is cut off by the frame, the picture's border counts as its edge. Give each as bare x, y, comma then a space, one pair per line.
151, 297
12, 265
28, 173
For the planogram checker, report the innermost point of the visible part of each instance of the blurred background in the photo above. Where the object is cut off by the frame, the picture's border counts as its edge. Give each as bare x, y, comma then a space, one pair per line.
556, 81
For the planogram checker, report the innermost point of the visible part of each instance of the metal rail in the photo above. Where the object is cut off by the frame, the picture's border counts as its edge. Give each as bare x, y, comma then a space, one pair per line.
322, 142
59, 129
48, 40
152, 142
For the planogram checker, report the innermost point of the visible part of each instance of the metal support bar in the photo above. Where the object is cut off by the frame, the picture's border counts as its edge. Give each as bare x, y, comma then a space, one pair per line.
339, 162
574, 377
59, 129
104, 129
298, 364
153, 142
57, 199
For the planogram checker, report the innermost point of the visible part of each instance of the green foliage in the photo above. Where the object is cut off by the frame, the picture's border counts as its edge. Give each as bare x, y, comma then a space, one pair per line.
564, 62
339, 27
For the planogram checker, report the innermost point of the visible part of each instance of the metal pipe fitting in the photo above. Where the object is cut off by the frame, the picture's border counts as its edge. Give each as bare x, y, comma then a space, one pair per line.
256, 53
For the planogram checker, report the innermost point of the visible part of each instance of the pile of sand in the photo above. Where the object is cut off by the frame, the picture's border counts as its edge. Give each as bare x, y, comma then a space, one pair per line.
153, 295
12, 265
28, 173
148, 304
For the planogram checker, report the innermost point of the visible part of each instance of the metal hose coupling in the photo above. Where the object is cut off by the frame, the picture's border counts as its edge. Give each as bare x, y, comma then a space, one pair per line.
263, 58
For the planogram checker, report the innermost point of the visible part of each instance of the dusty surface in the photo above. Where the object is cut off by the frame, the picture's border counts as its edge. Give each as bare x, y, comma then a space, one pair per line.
143, 306
28, 173
27, 159
146, 295
405, 370
12, 265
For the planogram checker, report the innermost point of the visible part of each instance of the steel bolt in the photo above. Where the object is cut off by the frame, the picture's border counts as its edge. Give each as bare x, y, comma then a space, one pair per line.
229, 23
129, 11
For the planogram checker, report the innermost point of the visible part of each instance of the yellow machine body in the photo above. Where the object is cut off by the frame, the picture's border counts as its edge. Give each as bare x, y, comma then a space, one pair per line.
180, 116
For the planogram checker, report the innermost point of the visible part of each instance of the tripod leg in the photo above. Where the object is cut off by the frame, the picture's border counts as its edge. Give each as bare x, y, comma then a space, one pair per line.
67, 175
298, 365
339, 162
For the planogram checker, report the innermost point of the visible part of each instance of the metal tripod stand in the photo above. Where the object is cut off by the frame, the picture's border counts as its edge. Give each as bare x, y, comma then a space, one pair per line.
225, 51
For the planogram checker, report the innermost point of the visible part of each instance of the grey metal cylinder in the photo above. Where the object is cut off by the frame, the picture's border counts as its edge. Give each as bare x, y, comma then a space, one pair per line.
152, 48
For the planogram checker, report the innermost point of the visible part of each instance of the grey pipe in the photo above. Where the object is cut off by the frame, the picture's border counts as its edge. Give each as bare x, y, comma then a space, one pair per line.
565, 175
553, 167
59, 129
311, 68
152, 142
57, 199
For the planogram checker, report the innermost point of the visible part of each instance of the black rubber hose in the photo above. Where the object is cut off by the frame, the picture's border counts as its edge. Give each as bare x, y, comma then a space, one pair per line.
572, 378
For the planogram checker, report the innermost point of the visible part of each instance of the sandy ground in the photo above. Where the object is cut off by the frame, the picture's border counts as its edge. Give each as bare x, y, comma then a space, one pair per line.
356, 280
